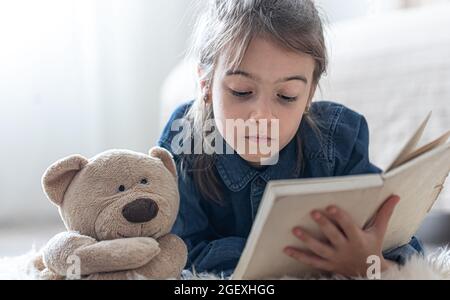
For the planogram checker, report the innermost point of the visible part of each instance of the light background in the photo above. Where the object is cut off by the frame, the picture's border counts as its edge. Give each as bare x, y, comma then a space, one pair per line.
84, 76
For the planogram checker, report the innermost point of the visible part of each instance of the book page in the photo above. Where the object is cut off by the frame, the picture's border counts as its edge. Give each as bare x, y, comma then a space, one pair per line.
428, 147
418, 184
410, 144
263, 255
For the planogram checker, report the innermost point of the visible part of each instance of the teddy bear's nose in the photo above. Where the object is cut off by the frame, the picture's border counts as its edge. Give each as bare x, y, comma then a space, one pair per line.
140, 211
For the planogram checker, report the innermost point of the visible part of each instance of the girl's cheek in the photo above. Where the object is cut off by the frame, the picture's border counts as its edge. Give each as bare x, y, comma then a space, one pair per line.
230, 109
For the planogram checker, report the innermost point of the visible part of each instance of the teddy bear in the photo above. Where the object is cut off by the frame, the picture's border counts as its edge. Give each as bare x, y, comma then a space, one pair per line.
119, 208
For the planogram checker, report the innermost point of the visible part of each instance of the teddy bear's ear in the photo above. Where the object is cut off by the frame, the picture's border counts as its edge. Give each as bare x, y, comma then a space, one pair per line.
58, 177
166, 157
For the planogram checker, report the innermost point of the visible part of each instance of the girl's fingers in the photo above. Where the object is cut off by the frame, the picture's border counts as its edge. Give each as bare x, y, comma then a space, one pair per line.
345, 222
319, 248
329, 229
308, 259
384, 214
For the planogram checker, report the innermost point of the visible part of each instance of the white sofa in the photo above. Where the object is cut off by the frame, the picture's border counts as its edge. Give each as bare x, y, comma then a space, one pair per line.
392, 68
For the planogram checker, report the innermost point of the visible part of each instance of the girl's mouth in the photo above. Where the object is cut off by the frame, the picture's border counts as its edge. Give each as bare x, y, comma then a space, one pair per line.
258, 139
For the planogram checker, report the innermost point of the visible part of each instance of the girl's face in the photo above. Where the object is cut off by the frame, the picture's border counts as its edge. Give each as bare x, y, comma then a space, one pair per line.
272, 85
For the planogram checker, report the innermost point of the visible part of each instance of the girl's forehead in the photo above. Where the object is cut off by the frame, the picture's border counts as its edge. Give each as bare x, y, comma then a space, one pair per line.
264, 58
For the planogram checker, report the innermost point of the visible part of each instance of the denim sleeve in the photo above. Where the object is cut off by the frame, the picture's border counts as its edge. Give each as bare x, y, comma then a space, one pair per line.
219, 256
351, 146
207, 250
403, 253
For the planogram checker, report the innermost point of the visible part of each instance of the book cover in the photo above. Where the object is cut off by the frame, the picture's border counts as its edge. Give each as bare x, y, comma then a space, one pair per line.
416, 175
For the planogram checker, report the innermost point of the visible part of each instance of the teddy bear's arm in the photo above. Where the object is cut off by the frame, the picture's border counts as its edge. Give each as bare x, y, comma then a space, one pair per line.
169, 263
57, 253
66, 249
118, 255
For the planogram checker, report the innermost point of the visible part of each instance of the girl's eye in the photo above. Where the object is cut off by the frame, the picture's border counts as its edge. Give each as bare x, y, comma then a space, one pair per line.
247, 94
144, 181
121, 188
287, 99
241, 94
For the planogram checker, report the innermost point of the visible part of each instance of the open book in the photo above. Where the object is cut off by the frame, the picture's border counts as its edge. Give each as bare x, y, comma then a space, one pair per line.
416, 175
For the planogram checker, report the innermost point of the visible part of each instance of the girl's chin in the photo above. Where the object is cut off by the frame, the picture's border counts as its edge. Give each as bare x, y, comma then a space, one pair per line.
260, 160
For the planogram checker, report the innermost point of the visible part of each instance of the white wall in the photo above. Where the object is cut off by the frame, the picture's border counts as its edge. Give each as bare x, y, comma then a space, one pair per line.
78, 76
83, 76
342, 10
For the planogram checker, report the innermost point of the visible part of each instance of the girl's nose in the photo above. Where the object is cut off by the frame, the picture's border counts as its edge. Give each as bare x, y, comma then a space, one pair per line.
262, 110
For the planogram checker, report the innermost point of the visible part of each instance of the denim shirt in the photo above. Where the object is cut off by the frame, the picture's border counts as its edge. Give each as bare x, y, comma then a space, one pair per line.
216, 234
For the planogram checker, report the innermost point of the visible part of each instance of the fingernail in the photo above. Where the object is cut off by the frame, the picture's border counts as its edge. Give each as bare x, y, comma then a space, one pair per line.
298, 232
288, 251
316, 215
332, 210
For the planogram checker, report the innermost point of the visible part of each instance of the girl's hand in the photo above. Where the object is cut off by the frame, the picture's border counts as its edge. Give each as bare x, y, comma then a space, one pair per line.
348, 245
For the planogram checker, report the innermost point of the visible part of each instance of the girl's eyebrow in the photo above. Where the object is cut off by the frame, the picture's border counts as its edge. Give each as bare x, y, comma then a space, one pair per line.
255, 78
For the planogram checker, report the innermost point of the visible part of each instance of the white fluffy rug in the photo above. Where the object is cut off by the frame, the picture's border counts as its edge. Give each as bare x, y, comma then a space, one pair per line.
434, 266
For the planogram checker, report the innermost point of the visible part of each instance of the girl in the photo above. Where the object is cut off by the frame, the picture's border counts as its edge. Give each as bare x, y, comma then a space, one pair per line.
260, 61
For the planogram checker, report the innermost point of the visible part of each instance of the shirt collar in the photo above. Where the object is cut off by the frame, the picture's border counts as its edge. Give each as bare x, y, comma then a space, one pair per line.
236, 173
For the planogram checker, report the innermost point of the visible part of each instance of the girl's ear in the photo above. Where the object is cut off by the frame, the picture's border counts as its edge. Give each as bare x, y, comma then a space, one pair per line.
166, 158
204, 84
312, 92
58, 177
200, 75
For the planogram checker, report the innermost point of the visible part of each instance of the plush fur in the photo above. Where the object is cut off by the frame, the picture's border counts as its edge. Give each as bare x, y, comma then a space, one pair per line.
435, 265
94, 209
119, 208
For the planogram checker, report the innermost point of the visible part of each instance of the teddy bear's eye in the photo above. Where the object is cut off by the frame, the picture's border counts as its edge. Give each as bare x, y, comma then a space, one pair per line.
121, 188
144, 181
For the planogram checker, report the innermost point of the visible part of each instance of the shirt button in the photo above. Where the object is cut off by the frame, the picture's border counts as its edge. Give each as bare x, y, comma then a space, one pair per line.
259, 182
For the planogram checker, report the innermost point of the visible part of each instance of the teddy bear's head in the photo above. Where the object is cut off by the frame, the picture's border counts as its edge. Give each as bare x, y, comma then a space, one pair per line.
116, 194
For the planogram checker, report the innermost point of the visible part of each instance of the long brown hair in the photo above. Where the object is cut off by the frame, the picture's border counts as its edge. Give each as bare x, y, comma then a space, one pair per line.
226, 27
